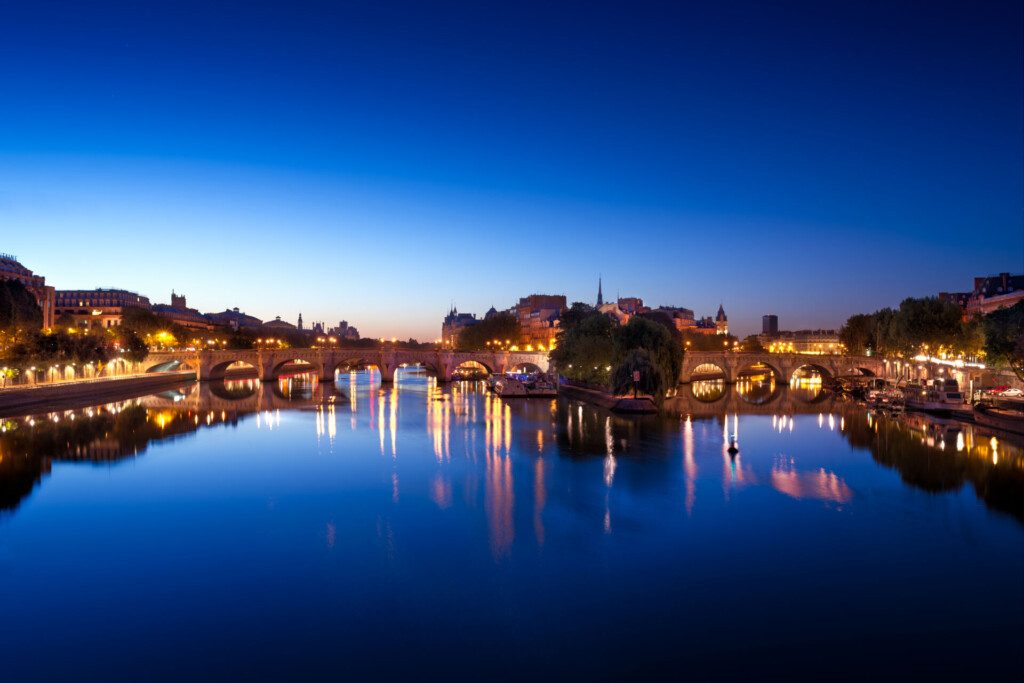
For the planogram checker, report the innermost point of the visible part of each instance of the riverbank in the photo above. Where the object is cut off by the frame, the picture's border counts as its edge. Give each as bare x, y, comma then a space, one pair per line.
44, 397
642, 405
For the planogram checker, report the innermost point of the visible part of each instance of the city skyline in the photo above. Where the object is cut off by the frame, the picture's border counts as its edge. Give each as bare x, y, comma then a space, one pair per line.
379, 163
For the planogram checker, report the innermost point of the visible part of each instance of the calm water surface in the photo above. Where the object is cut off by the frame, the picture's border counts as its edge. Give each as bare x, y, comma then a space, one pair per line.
306, 532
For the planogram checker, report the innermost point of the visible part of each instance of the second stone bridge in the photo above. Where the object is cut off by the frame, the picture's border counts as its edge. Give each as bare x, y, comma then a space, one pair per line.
270, 363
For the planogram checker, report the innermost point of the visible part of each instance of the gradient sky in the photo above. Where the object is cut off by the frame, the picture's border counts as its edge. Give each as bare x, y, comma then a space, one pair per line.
376, 161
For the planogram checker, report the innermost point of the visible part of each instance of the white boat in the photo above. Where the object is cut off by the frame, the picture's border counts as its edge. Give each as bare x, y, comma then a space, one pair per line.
934, 396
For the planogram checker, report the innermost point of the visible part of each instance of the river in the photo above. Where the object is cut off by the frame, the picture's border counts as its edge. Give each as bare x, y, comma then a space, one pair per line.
296, 531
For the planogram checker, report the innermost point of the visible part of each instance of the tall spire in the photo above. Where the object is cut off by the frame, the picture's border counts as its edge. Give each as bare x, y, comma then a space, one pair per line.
600, 296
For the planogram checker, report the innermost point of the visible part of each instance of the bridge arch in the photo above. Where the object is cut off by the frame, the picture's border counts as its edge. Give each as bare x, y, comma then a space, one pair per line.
709, 370
759, 367
526, 367
709, 391
473, 363
234, 390
220, 368
802, 371
301, 365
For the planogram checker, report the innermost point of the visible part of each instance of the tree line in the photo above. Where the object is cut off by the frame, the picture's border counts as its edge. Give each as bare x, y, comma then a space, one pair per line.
937, 327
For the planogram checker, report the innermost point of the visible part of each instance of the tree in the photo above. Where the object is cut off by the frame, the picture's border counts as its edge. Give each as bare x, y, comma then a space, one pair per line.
664, 351
586, 349
857, 335
753, 345
18, 307
694, 341
575, 314
650, 382
927, 321
883, 338
135, 348
665, 320
501, 326
1004, 337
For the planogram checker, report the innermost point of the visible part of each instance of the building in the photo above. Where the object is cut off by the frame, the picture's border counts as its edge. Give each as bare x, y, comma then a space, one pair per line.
721, 321
11, 269
705, 325
278, 325
989, 294
769, 324
539, 316
814, 342
632, 305
453, 325
234, 319
344, 331
178, 312
612, 310
682, 318
97, 308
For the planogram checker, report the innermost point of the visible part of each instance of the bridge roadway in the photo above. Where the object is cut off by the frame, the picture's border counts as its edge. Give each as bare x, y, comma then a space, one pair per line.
269, 363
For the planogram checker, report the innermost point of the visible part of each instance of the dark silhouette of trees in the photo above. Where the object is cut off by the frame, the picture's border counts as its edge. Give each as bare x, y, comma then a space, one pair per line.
18, 307
1004, 337
502, 326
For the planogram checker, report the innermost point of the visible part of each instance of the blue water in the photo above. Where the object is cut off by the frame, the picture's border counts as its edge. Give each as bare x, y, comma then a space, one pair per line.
419, 532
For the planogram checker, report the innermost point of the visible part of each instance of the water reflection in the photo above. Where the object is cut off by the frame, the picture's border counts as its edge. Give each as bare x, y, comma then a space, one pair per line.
518, 512
818, 485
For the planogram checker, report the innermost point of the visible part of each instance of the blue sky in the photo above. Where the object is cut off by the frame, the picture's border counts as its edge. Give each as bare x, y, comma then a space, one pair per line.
376, 161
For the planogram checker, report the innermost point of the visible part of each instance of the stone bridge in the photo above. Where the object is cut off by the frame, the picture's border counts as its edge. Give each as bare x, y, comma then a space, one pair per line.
699, 365
269, 363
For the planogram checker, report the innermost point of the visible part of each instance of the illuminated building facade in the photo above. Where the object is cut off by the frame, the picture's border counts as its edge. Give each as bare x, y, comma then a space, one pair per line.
989, 294
453, 324
814, 342
97, 308
539, 316
11, 269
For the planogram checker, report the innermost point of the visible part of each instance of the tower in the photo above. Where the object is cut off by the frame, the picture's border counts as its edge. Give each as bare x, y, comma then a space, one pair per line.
300, 321
600, 296
721, 321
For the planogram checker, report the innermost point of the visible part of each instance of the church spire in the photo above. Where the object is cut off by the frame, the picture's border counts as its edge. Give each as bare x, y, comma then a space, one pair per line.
600, 296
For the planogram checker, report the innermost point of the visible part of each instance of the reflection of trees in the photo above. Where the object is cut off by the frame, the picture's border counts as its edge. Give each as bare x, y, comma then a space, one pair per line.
944, 465
585, 430
106, 434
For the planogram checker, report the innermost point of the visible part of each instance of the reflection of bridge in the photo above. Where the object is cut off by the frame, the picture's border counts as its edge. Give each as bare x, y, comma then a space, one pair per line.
722, 364
203, 397
325, 362
782, 401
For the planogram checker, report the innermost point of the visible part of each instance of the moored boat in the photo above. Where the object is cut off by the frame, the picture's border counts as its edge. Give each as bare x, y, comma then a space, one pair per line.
1005, 419
934, 396
880, 393
524, 386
